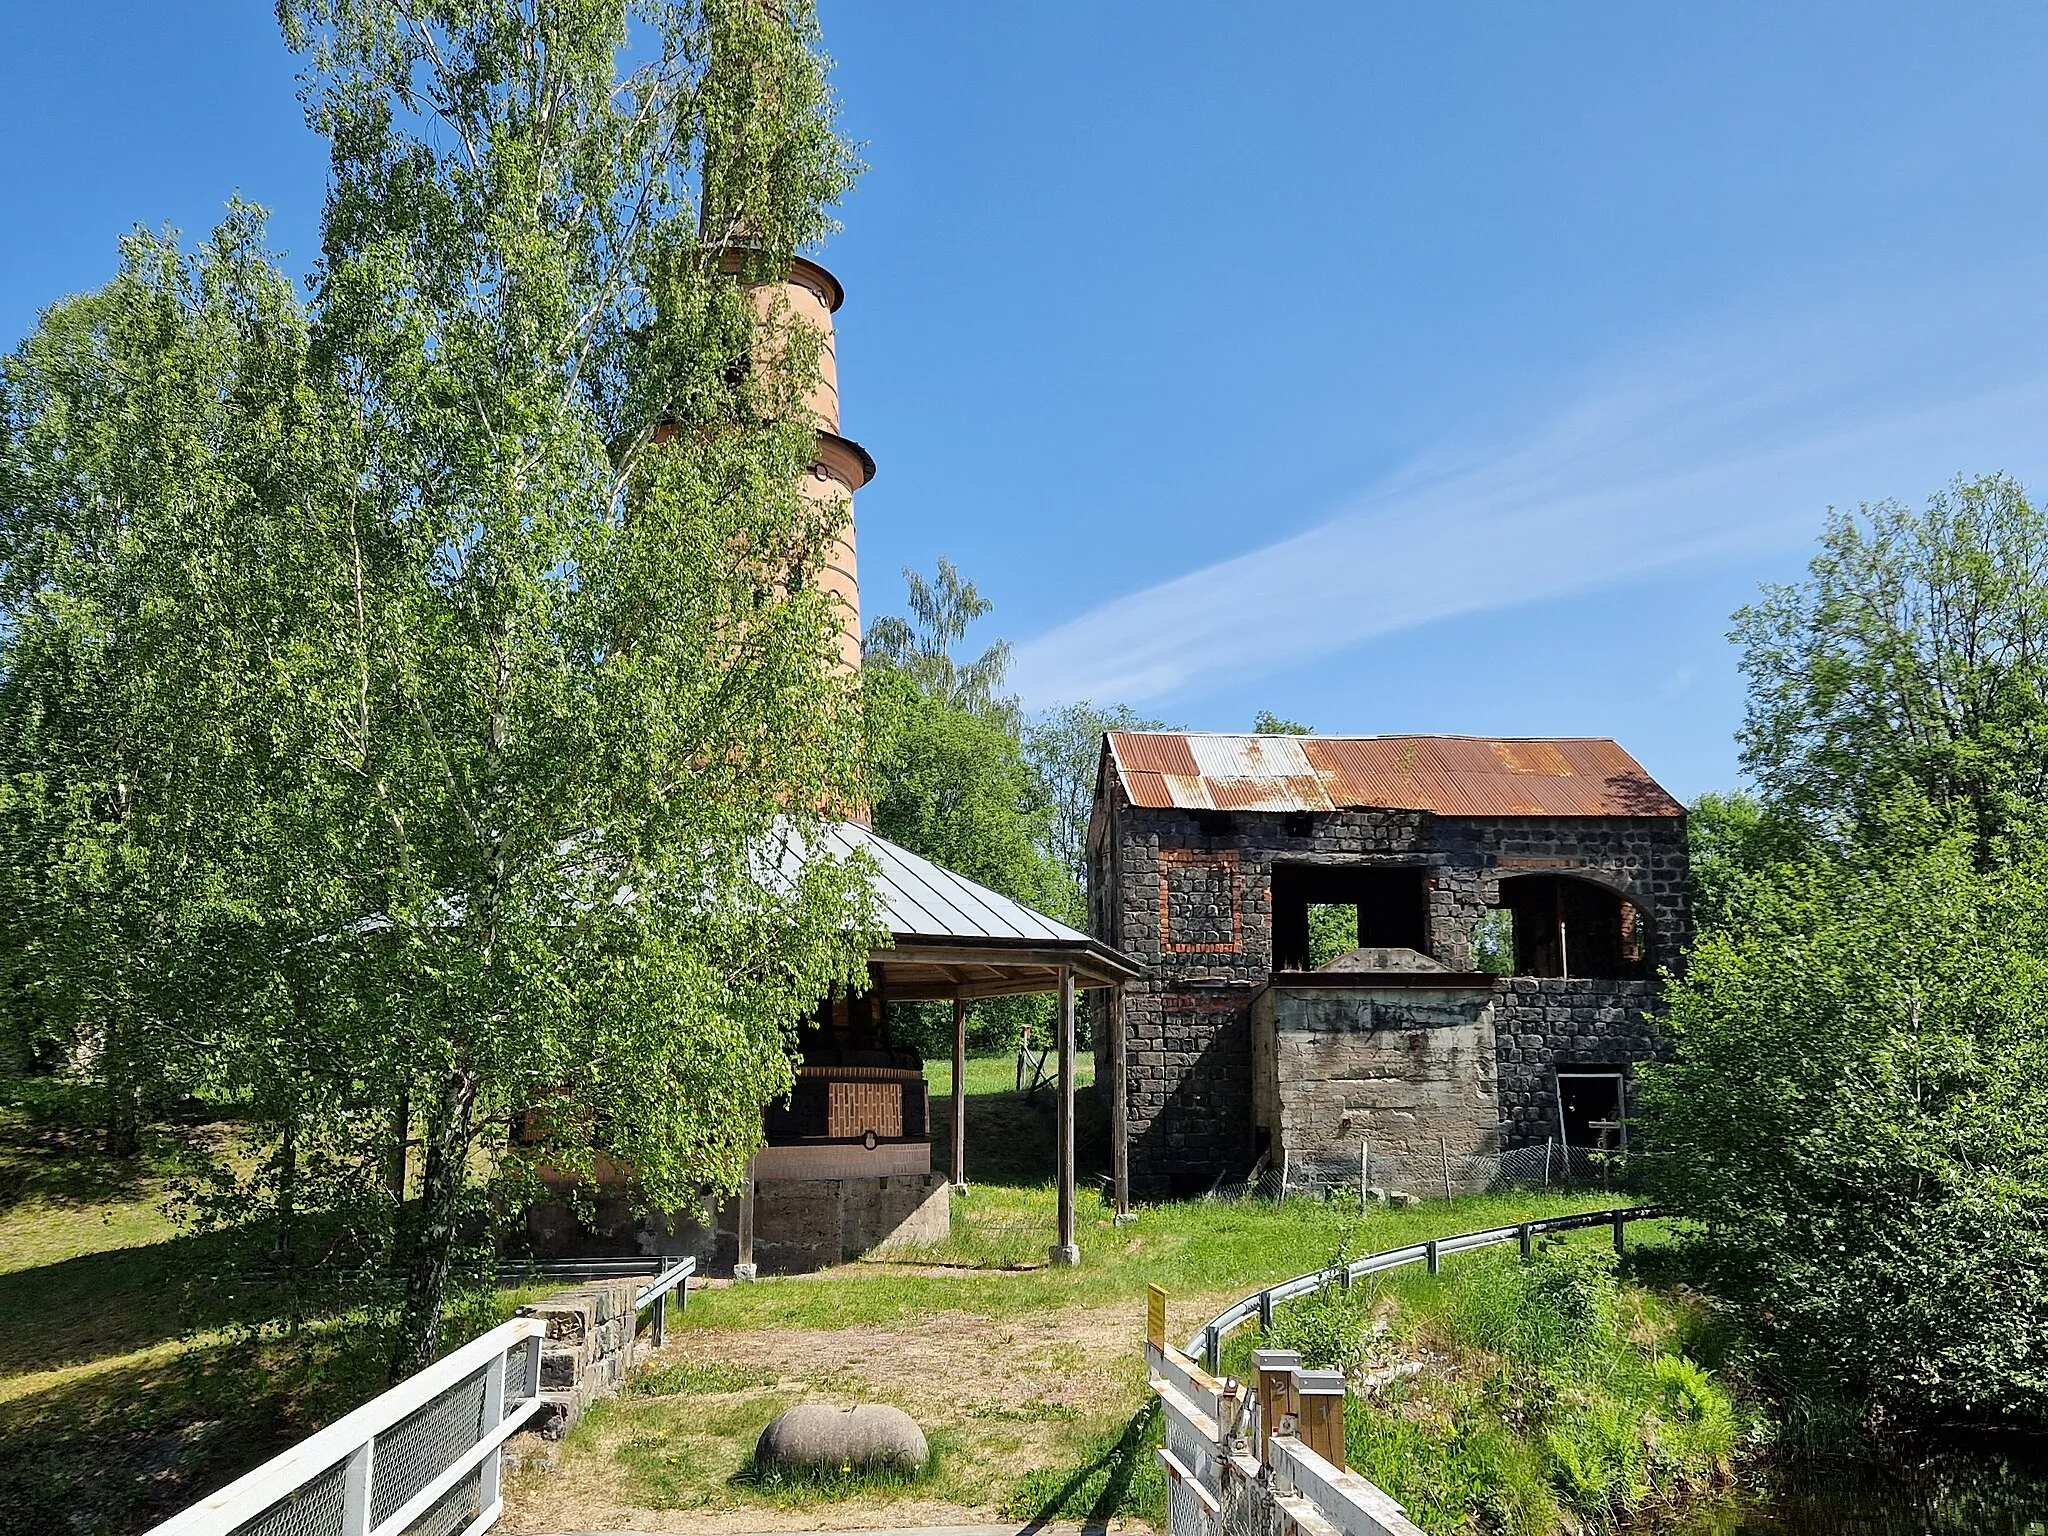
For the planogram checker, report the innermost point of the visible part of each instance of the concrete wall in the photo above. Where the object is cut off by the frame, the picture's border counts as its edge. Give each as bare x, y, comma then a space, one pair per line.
1410, 1069
799, 1224
807, 1224
1196, 909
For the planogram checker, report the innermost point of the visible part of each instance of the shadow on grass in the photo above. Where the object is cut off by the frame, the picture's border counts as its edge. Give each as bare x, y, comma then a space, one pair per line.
1011, 1136
1121, 1477
99, 1304
116, 1451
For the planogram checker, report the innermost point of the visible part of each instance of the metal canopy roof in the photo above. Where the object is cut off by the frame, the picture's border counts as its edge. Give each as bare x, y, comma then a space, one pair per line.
956, 937
1446, 775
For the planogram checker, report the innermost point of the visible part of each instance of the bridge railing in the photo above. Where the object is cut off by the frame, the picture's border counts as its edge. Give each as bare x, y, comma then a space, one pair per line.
1264, 1463
1269, 1461
426, 1457
422, 1459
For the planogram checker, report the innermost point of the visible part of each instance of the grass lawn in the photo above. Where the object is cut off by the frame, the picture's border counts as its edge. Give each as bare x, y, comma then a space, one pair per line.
1029, 1379
126, 1390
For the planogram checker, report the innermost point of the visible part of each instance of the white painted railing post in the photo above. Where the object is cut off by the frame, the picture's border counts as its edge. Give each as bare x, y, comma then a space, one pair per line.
355, 1490
493, 1416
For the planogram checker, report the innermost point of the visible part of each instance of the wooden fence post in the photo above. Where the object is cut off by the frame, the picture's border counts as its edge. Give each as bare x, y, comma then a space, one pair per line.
1276, 1368
1321, 1414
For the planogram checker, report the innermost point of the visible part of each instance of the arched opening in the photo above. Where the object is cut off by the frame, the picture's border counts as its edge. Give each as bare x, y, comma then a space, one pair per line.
1564, 926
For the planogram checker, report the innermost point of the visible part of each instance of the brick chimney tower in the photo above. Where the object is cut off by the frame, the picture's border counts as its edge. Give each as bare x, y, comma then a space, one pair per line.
839, 467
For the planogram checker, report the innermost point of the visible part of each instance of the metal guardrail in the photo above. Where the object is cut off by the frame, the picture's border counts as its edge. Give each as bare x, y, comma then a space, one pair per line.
422, 1459
1207, 1343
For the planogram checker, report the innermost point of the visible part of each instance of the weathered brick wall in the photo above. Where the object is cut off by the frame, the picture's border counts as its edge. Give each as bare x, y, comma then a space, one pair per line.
1542, 1023
1195, 907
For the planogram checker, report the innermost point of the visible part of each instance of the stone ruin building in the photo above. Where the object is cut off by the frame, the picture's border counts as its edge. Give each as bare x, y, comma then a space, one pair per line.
1226, 864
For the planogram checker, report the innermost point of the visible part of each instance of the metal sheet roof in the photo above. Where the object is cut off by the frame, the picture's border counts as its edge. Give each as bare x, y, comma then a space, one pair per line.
1447, 775
924, 900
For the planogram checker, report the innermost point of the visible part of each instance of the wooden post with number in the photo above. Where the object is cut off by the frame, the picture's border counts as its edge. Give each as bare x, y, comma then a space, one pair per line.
1276, 1368
1155, 1316
1319, 1414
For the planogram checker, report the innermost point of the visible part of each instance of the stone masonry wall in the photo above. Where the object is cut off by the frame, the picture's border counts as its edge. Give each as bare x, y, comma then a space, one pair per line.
1195, 907
1543, 1023
587, 1353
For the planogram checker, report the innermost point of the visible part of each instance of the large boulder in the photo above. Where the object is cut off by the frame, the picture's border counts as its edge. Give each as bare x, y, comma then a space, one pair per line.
866, 1436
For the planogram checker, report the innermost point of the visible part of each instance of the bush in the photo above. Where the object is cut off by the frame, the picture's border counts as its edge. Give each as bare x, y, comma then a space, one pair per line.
1327, 1328
1857, 1119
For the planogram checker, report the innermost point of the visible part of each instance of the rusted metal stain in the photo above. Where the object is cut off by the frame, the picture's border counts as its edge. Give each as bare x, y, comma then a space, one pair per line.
1447, 775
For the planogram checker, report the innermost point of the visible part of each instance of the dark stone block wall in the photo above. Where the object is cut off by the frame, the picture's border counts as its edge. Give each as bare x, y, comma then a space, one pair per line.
1191, 898
1543, 1023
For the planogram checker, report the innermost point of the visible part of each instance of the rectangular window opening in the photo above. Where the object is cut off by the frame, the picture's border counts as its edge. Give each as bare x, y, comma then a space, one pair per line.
1323, 912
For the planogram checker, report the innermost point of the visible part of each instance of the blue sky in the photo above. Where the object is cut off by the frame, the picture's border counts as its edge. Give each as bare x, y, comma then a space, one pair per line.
1432, 368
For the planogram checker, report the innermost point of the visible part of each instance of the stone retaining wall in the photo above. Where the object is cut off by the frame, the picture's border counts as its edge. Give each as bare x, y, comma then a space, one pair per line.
588, 1350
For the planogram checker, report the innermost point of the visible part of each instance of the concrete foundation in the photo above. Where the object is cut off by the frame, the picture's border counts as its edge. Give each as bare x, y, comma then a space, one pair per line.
799, 1224
807, 1224
1409, 1069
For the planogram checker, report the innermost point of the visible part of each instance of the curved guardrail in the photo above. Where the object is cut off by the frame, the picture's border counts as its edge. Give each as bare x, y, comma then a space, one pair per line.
1207, 1342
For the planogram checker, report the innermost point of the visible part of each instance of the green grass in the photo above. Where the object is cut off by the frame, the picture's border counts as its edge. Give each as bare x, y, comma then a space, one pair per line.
1553, 1397
1118, 1477
126, 1390
1211, 1249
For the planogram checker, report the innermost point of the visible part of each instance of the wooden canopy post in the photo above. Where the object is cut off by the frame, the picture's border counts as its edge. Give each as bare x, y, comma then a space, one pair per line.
1066, 1250
959, 1092
1119, 1104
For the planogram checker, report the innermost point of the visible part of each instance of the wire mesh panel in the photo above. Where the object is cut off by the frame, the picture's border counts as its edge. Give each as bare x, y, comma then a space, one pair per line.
424, 1444
1248, 1507
312, 1510
1343, 1175
453, 1510
1186, 1514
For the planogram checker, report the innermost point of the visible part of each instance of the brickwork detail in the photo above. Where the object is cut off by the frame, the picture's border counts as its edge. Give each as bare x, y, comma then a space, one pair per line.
1200, 902
851, 1109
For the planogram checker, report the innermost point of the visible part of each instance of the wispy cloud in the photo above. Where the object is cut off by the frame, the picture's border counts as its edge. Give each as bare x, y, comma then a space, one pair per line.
1709, 452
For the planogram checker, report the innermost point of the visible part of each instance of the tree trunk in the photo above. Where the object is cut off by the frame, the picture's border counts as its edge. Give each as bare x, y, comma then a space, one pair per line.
441, 1180
124, 1119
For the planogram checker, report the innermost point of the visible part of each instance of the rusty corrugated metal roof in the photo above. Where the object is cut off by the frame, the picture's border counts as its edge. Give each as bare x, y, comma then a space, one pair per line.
1448, 775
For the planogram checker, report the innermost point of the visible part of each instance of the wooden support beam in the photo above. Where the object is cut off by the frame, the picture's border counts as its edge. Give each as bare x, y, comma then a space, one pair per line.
1119, 1104
1066, 1250
959, 1093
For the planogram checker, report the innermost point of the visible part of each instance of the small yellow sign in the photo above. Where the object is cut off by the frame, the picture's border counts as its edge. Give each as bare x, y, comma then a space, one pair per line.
1155, 1316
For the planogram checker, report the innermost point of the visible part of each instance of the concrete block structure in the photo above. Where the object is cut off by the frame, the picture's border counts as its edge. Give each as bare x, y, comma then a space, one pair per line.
1224, 864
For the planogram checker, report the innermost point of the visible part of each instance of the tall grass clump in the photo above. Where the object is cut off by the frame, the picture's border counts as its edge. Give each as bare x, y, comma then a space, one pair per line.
1521, 1397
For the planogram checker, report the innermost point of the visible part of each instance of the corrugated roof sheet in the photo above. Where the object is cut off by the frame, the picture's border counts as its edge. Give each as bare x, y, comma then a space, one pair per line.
921, 899
1447, 775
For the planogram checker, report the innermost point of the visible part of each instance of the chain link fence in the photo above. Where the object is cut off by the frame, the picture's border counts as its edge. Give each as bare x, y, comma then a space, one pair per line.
1355, 1173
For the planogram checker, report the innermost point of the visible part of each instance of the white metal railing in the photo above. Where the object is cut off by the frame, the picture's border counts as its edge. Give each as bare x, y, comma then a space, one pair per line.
1237, 1462
422, 1459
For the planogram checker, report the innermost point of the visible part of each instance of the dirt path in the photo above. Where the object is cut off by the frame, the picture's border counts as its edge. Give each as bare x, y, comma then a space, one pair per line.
1000, 1399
